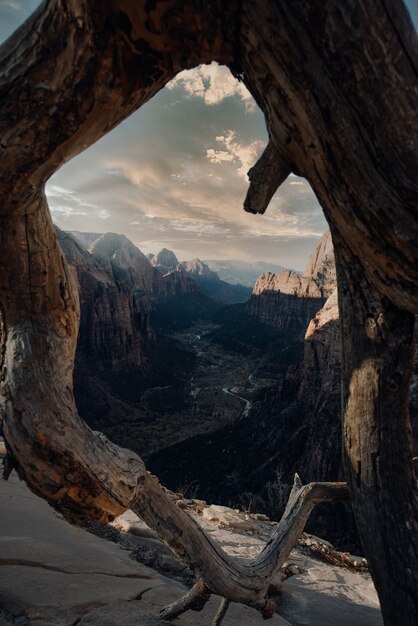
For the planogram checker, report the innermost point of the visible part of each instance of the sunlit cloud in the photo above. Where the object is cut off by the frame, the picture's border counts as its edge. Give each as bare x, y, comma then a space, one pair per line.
244, 155
65, 211
174, 175
213, 84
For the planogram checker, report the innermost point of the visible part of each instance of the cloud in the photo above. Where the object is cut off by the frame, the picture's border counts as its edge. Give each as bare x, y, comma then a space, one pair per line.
65, 211
243, 154
174, 175
213, 83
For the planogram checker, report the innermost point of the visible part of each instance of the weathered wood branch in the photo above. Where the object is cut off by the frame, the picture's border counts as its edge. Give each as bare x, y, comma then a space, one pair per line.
265, 177
194, 600
59, 93
329, 77
221, 612
222, 574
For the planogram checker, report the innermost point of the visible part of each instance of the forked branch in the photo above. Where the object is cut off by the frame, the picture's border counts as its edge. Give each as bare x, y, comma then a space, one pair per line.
221, 574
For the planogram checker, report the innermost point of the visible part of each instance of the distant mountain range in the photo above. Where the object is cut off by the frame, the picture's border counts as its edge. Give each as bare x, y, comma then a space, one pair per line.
208, 280
233, 271
241, 272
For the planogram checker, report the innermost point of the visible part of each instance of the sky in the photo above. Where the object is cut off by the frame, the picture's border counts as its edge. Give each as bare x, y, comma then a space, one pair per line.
174, 173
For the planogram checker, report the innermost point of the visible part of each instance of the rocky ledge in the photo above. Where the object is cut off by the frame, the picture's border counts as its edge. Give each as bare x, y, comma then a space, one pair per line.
52, 574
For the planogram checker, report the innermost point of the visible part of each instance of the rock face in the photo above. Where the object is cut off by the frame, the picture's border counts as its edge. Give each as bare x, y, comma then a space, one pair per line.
115, 284
177, 282
194, 276
321, 265
189, 277
287, 299
289, 283
85, 239
198, 269
212, 286
119, 289
284, 311
128, 266
319, 394
131, 380
165, 260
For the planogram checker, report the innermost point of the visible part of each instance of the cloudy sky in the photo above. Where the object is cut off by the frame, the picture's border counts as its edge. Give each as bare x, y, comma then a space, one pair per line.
174, 174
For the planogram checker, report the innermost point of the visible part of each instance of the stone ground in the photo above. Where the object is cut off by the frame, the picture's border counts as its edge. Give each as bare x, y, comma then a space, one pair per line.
53, 574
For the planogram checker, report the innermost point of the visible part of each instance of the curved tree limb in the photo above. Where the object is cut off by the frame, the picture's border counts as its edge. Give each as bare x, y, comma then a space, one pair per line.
231, 578
265, 177
328, 81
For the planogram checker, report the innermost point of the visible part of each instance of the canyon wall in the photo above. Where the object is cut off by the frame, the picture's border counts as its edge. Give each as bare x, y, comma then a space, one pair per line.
288, 300
115, 288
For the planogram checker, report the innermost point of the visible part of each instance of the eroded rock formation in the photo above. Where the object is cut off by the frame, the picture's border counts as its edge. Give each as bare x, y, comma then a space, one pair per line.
288, 299
115, 288
328, 80
321, 265
165, 260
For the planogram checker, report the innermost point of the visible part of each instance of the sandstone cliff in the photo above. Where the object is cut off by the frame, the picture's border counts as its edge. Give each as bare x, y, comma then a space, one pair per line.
319, 395
131, 378
287, 299
128, 266
177, 281
321, 265
115, 299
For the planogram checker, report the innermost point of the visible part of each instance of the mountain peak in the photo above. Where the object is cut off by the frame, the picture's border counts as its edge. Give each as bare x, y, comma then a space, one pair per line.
165, 260
196, 266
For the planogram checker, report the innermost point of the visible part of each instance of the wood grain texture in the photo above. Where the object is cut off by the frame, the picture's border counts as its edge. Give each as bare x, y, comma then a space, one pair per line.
338, 85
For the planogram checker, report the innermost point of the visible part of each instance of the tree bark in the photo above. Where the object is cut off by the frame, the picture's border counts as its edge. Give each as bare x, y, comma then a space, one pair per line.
265, 177
337, 82
378, 351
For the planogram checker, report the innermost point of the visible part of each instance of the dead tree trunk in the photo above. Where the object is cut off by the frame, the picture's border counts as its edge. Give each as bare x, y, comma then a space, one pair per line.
378, 350
337, 82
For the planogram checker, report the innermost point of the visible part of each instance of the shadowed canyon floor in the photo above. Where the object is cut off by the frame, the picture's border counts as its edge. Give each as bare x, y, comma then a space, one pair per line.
191, 386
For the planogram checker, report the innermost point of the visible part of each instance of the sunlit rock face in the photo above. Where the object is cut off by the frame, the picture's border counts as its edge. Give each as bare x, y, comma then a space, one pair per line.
288, 299
127, 264
319, 394
196, 268
321, 266
119, 289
